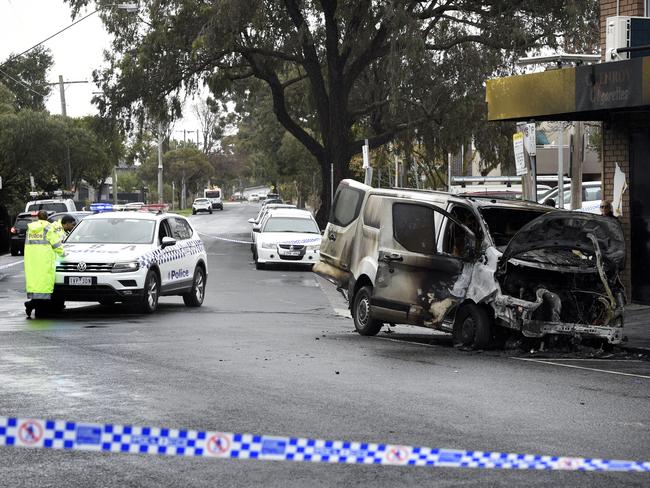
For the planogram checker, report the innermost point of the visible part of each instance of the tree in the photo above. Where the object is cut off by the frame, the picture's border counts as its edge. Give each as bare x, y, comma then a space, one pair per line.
26, 78
182, 162
386, 67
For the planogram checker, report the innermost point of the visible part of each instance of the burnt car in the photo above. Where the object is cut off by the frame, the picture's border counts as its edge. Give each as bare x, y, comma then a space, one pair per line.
474, 267
19, 230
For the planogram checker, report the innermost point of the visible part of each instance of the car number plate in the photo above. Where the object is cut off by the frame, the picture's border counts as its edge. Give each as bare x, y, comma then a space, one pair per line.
80, 280
291, 253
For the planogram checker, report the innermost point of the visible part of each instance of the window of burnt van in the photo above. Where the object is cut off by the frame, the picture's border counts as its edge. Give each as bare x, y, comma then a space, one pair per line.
456, 240
413, 227
347, 205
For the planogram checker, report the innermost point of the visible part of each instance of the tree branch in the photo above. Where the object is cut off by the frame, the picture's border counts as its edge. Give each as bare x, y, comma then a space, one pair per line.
280, 107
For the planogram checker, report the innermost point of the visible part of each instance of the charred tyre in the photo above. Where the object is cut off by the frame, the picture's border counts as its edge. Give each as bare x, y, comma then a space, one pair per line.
364, 324
472, 327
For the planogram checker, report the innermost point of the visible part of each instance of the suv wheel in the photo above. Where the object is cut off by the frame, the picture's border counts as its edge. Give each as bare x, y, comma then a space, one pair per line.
149, 302
472, 327
195, 297
365, 325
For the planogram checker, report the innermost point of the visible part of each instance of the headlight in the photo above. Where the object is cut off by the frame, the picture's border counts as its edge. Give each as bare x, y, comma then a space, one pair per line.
313, 247
126, 267
269, 245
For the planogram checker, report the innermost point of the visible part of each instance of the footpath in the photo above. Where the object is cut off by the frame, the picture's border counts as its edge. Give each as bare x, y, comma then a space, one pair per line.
637, 328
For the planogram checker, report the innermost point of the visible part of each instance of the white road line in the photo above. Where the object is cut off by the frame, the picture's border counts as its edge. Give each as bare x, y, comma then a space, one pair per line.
542, 361
403, 341
611, 360
226, 239
5, 266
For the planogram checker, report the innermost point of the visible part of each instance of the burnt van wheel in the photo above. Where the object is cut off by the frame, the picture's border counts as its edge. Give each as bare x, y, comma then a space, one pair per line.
365, 325
472, 327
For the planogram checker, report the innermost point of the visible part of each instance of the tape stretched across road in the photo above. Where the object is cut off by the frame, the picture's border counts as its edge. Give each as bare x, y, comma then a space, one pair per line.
10, 265
59, 434
226, 239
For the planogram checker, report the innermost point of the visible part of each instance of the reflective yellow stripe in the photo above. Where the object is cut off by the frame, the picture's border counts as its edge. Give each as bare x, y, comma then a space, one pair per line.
36, 241
58, 244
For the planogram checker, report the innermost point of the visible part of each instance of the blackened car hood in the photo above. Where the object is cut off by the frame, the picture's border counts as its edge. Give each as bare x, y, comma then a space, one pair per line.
570, 230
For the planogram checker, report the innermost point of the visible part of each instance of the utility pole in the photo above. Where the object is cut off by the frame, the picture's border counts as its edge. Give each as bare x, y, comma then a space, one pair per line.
183, 189
114, 185
64, 112
577, 157
160, 163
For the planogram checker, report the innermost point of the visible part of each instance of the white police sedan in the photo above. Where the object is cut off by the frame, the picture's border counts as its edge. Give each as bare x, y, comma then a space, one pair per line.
133, 257
287, 236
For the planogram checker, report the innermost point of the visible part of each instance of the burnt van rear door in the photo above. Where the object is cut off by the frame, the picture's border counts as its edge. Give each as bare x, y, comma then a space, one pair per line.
339, 236
414, 282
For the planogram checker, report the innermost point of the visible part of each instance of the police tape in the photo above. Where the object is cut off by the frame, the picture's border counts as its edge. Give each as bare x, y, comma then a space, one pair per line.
225, 239
10, 265
59, 434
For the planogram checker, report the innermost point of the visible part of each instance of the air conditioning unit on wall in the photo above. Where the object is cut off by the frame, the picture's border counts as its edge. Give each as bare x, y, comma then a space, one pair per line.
627, 32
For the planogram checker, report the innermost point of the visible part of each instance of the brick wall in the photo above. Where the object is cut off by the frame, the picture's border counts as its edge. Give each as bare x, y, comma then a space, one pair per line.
616, 145
608, 9
616, 149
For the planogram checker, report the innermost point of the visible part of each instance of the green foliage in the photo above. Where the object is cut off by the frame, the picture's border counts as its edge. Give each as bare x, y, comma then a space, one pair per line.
38, 144
181, 162
26, 77
7, 100
337, 72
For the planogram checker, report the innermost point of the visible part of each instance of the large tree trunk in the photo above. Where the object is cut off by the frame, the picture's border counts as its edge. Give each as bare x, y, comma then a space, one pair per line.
340, 161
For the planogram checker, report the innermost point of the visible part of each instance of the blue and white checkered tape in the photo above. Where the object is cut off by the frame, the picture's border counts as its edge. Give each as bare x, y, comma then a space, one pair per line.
59, 434
173, 253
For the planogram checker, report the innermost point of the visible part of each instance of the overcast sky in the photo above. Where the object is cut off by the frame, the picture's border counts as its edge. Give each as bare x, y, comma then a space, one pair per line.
77, 51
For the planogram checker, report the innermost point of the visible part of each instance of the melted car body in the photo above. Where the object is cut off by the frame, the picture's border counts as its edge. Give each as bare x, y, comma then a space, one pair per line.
469, 265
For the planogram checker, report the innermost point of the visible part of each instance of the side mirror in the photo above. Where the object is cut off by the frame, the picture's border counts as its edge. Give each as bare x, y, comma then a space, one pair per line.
256, 228
168, 241
251, 220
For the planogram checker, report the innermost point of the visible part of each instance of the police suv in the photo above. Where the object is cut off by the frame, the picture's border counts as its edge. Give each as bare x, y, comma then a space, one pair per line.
133, 257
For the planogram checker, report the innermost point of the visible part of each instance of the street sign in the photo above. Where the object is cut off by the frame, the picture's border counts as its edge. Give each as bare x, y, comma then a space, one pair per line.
530, 138
518, 146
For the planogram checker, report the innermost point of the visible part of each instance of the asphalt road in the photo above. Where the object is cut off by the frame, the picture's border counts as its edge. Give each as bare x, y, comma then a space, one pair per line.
271, 352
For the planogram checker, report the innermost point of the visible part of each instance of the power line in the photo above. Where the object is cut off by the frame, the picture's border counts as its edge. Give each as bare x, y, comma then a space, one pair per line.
22, 83
45, 40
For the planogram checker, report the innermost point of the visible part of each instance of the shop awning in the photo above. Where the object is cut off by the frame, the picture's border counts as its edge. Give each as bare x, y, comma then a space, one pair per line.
590, 92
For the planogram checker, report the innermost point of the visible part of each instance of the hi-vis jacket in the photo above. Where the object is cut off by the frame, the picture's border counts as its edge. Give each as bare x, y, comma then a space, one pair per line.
57, 227
42, 245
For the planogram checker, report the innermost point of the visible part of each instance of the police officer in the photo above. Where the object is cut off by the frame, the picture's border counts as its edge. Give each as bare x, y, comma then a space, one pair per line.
42, 245
64, 226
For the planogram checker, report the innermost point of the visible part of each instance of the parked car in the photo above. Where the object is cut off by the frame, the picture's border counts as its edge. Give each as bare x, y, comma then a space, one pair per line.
254, 197
288, 236
19, 230
474, 267
591, 196
201, 205
260, 216
133, 257
77, 216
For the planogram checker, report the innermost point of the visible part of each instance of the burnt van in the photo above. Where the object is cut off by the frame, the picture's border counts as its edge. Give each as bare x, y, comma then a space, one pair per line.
474, 267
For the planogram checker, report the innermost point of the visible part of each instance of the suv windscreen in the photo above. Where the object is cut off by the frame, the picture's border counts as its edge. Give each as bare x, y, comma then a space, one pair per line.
504, 223
289, 224
113, 231
54, 206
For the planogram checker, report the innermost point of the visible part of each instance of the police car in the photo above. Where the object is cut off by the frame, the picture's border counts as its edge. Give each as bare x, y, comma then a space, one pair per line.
133, 257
